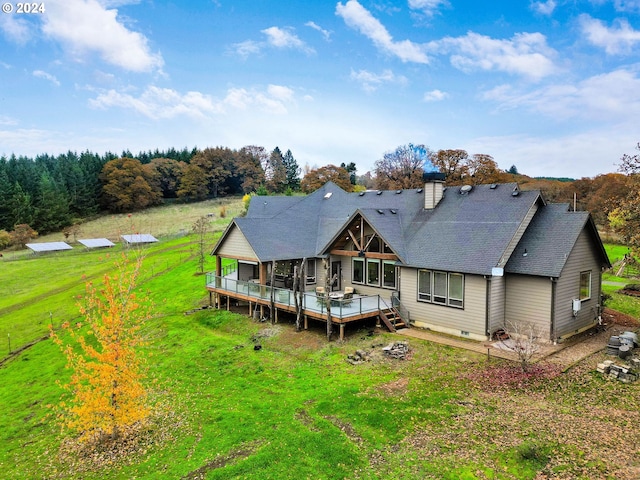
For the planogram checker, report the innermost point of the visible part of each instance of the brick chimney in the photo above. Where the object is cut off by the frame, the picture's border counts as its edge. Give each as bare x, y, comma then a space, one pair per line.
433, 189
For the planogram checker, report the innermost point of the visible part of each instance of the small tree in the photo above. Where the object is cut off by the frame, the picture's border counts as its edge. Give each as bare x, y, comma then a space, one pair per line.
108, 399
22, 234
201, 231
524, 341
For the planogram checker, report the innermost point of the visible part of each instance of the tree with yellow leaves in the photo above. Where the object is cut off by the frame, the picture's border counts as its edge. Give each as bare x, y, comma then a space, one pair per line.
108, 400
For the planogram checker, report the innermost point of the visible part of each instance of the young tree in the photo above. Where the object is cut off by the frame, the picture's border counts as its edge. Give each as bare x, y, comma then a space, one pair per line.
107, 396
524, 341
201, 231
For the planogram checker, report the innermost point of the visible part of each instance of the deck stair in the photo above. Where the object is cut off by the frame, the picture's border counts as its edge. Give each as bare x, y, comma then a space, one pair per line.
392, 319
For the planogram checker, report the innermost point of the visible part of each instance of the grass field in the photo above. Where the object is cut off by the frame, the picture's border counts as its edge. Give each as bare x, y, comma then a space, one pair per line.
295, 408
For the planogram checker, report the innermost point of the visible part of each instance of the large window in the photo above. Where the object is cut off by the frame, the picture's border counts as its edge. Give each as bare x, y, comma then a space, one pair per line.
585, 285
357, 274
389, 276
311, 271
441, 288
373, 271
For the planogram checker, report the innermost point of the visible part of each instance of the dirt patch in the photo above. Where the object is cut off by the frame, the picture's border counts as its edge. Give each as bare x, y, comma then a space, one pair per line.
347, 428
613, 317
397, 387
220, 461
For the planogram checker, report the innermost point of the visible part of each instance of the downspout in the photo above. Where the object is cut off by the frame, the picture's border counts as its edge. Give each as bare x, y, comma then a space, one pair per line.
554, 284
487, 306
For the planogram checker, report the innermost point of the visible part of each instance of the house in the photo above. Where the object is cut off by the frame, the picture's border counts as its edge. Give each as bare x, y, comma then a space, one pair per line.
458, 260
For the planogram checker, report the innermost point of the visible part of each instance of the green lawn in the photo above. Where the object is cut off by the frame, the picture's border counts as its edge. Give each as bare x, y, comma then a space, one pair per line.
296, 409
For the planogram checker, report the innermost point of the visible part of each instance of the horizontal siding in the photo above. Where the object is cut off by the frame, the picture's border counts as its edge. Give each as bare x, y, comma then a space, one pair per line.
471, 318
236, 246
528, 300
582, 258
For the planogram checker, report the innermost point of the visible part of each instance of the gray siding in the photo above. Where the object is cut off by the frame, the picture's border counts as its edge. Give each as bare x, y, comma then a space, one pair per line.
236, 246
451, 320
528, 300
582, 258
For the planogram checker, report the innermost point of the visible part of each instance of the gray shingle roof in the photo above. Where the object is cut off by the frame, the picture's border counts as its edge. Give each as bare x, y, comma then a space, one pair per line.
466, 233
549, 240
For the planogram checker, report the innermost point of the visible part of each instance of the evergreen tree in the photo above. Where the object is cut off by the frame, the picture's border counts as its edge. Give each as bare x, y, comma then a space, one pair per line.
52, 207
276, 172
292, 171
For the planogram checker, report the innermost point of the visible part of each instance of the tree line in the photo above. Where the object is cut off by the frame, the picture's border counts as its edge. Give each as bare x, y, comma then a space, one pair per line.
48, 193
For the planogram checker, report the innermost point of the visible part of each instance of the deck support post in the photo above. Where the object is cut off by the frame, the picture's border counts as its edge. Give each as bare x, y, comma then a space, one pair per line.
341, 331
306, 323
249, 308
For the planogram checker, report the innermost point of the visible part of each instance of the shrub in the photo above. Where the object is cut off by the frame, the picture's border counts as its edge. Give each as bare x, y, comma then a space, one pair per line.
223, 211
5, 239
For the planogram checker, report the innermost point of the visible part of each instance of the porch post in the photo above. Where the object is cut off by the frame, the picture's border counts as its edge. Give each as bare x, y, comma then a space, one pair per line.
341, 331
218, 266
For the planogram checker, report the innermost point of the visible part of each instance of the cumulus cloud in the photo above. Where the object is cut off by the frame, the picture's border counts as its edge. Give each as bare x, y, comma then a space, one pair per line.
285, 38
435, 96
360, 19
46, 76
544, 8
163, 103
325, 33
274, 100
616, 40
87, 26
612, 96
159, 103
371, 81
526, 54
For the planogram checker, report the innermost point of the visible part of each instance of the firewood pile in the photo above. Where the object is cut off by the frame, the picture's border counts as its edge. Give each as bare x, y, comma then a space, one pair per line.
398, 350
622, 373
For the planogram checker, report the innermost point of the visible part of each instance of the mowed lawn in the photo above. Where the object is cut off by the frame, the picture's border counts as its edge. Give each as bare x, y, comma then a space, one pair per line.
295, 408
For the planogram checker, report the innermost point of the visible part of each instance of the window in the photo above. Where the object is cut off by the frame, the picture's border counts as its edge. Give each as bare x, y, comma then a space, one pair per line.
585, 285
357, 274
311, 271
456, 288
424, 285
373, 272
389, 274
441, 288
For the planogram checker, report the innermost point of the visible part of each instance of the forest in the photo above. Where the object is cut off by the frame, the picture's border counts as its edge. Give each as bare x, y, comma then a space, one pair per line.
52, 193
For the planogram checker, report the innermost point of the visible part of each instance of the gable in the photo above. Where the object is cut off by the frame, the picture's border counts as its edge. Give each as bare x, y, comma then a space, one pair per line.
233, 244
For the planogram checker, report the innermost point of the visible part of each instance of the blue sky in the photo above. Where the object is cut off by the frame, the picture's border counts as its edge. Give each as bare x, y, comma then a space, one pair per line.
552, 86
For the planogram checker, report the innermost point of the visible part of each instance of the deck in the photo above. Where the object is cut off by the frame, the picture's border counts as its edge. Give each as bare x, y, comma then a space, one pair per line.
259, 296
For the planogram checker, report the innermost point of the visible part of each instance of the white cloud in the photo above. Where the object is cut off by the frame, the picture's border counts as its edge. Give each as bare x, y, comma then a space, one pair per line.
85, 26
325, 33
428, 7
360, 19
615, 40
248, 47
371, 81
284, 38
610, 96
46, 76
165, 103
274, 100
435, 96
159, 103
526, 54
15, 29
544, 8
621, 5
7, 121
